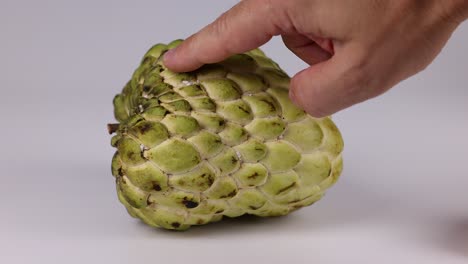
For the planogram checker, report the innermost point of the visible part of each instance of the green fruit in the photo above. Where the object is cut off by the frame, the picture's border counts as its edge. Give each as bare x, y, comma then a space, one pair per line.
222, 141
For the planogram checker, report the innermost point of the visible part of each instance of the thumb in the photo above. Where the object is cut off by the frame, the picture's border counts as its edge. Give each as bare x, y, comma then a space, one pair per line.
330, 86
248, 25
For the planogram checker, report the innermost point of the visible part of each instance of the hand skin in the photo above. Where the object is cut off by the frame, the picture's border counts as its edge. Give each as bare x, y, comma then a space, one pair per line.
356, 50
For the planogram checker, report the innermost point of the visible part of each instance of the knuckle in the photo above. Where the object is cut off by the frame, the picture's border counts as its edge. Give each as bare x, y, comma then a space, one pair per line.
220, 25
274, 12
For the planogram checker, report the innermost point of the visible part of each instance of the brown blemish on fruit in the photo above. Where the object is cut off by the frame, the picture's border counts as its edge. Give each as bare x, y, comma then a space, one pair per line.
156, 186
243, 109
233, 160
300, 200
142, 155
195, 159
270, 104
210, 180
146, 60
287, 188
148, 202
189, 204
230, 195
253, 176
130, 155
175, 225
144, 128
277, 124
146, 89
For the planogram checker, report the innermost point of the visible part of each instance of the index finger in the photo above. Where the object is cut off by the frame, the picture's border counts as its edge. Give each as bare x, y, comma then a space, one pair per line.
246, 26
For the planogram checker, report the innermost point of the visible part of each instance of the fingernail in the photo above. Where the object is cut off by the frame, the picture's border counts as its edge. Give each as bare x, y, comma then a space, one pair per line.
294, 97
169, 55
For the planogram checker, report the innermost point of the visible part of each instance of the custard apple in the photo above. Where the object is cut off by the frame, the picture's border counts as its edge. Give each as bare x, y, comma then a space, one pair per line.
222, 141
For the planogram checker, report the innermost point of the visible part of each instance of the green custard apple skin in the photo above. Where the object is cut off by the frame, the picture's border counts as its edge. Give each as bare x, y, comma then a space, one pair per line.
222, 141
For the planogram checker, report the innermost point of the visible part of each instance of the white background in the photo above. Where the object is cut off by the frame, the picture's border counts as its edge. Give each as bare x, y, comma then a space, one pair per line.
402, 197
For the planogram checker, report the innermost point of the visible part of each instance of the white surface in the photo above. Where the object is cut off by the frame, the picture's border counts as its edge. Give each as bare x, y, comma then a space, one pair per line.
401, 199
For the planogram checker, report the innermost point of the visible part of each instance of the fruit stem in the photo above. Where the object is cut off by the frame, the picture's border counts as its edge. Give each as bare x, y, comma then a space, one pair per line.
112, 128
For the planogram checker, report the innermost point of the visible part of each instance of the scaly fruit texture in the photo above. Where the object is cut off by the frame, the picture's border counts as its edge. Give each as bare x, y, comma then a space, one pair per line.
224, 140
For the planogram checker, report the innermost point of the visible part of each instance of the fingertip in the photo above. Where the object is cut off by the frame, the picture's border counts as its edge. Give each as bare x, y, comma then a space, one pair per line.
172, 60
229, 34
306, 95
293, 91
168, 58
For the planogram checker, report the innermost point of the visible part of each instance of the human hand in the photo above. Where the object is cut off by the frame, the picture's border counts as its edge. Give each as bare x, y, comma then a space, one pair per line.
356, 50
